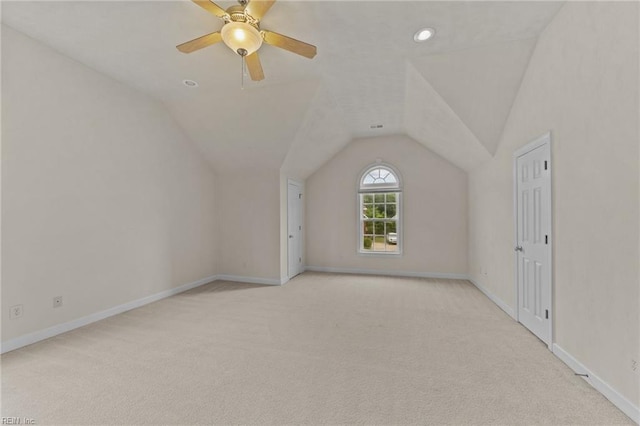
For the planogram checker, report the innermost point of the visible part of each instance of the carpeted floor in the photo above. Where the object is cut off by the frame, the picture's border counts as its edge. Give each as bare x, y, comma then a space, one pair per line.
323, 349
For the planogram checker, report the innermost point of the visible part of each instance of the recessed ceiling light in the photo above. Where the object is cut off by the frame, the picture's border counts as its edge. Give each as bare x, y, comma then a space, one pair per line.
189, 83
423, 34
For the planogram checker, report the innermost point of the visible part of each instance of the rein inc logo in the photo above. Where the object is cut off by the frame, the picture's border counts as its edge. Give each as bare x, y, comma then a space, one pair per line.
18, 421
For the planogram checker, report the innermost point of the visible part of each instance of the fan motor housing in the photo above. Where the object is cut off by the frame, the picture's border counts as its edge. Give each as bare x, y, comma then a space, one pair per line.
238, 14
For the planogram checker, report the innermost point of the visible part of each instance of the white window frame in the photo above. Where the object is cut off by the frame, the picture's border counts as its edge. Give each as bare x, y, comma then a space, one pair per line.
381, 188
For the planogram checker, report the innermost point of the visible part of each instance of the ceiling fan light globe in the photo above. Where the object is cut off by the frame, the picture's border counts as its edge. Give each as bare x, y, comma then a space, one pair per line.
240, 35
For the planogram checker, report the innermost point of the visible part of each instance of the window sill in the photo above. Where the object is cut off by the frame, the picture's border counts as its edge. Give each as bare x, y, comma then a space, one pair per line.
380, 253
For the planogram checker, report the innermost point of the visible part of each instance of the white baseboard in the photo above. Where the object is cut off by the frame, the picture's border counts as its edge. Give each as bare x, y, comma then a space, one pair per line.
508, 309
37, 336
250, 280
387, 272
28, 339
626, 406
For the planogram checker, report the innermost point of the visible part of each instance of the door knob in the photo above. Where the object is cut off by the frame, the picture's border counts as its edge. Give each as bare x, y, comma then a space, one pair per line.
518, 248
290, 236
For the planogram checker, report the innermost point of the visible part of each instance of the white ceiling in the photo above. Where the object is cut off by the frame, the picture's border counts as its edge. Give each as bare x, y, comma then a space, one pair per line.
452, 94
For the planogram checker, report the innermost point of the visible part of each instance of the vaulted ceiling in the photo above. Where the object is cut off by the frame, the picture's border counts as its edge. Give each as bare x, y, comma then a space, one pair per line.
453, 93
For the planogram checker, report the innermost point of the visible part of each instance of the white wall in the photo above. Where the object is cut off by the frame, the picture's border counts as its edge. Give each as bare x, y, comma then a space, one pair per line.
582, 84
104, 200
249, 224
434, 209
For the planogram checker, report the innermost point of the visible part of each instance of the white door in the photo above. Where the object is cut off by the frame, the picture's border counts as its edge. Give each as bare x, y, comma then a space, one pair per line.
294, 225
533, 237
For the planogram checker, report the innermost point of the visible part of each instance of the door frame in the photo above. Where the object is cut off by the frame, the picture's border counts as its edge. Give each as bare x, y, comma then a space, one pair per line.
542, 140
300, 185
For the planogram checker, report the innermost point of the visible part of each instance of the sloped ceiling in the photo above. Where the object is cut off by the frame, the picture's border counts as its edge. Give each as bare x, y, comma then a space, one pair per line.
320, 136
452, 93
479, 84
432, 122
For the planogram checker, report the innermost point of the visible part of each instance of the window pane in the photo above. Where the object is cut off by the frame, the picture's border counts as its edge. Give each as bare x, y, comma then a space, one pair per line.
368, 227
391, 211
391, 227
379, 176
367, 242
367, 198
379, 211
379, 227
378, 243
379, 198
367, 211
391, 237
391, 197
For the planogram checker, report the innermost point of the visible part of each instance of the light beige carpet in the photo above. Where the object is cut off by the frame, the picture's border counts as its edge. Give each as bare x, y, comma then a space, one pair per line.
322, 349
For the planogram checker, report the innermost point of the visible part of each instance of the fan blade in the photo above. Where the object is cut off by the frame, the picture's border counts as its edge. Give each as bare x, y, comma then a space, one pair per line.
211, 7
259, 8
200, 42
255, 68
290, 44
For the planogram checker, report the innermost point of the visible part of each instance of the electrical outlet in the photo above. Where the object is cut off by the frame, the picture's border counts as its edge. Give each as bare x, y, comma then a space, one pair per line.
634, 366
57, 301
15, 312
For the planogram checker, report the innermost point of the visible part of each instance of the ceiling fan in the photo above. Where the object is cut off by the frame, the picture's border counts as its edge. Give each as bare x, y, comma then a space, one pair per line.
241, 33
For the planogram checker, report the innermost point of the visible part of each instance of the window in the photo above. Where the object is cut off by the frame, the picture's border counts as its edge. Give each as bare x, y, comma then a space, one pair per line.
379, 201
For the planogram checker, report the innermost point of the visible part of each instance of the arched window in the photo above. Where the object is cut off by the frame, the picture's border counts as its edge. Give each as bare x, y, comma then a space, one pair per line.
380, 194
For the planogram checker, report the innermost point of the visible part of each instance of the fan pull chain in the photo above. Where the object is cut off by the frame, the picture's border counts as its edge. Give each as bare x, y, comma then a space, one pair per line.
242, 73
242, 52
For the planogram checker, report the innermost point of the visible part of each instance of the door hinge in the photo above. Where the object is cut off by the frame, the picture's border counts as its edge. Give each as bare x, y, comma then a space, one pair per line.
546, 166
299, 196
299, 228
546, 314
299, 260
546, 239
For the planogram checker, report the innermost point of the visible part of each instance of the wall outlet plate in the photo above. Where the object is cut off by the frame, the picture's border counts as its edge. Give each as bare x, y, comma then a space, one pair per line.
57, 301
15, 312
